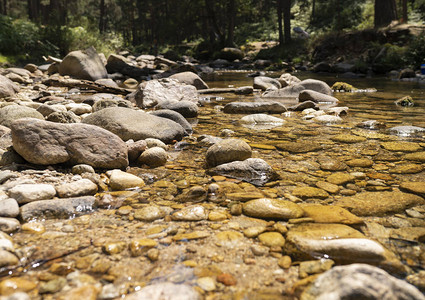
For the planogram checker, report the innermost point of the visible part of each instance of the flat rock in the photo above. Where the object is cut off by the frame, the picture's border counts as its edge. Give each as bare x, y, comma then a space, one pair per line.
348, 138
400, 146
83, 187
264, 83
165, 291
261, 121
415, 187
306, 192
407, 169
191, 79
272, 209
227, 150
309, 95
272, 239
360, 281
330, 214
252, 170
57, 208
417, 156
10, 113
299, 147
270, 107
24, 193
135, 124
149, 213
379, 203
45, 143
328, 119
406, 130
293, 91
360, 162
340, 178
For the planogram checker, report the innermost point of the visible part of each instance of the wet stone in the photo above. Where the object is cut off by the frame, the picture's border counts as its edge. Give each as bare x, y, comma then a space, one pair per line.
206, 283
252, 232
328, 187
9, 225
83, 187
331, 164
7, 259
272, 208
16, 284
120, 180
348, 138
360, 162
165, 291
340, 178
195, 235
309, 192
52, 286
407, 169
315, 267
149, 213
415, 187
141, 246
285, 262
298, 147
330, 214
401, 146
418, 156
272, 239
190, 213
113, 247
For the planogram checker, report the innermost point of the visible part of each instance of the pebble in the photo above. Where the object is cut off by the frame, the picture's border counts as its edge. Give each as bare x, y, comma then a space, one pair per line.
195, 235
141, 246
407, 169
348, 138
272, 239
120, 180
227, 279
9, 207
314, 267
360, 162
33, 228
190, 213
309, 192
7, 259
328, 187
149, 213
206, 283
259, 250
52, 286
253, 232
285, 262
114, 247
153, 254
340, 178
153, 157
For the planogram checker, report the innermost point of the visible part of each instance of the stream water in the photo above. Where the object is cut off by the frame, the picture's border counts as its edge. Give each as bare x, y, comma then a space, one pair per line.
226, 254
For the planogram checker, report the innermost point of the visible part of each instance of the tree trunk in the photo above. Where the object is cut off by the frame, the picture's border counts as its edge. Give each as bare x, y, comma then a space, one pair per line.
231, 10
404, 5
102, 23
34, 10
385, 12
213, 21
287, 20
279, 20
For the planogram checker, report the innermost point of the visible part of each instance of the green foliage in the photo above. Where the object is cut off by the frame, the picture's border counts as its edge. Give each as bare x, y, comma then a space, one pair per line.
415, 53
297, 50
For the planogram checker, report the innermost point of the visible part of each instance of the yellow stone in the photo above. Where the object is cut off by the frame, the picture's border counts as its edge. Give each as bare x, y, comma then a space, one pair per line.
141, 246
190, 263
86, 292
285, 262
191, 236
401, 146
330, 214
272, 239
113, 248
262, 146
229, 236
16, 284
217, 216
33, 227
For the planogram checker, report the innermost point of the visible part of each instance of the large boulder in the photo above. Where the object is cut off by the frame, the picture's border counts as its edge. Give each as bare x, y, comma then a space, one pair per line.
191, 79
159, 91
120, 64
46, 143
187, 109
136, 124
83, 65
226, 151
360, 281
10, 113
264, 83
231, 54
309, 95
175, 116
7, 87
292, 91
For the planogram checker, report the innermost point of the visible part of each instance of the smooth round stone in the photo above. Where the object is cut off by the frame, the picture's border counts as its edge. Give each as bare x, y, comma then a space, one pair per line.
9, 207
309, 192
149, 213
153, 254
340, 178
82, 168
328, 187
298, 147
365, 203
407, 169
9, 225
360, 162
24, 193
252, 232
272, 239
330, 214
272, 208
7, 259
217, 216
348, 138
228, 150
135, 149
77, 188
153, 157
87, 291
33, 227
416, 187
259, 250
141, 246
401, 146
229, 236
190, 213
418, 156
285, 262
16, 284
206, 283
151, 142
120, 180
114, 248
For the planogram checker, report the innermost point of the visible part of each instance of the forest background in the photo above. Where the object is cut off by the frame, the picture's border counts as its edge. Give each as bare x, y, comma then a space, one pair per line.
31, 29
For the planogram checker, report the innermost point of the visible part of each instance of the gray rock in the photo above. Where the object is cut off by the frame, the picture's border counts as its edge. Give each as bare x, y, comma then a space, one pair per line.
135, 124
10, 113
309, 95
261, 121
152, 142
45, 143
9, 208
83, 187
406, 73
24, 193
64, 117
105, 103
227, 150
231, 54
158, 91
18, 71
120, 64
406, 130
82, 168
83, 65
6, 175
57, 208
360, 281
244, 90
264, 83
153, 157
187, 109
46, 110
191, 79
9, 225
135, 149
107, 82
327, 119
7, 87
294, 90
287, 79
343, 67
165, 291
252, 170
174, 116
270, 107
303, 105
219, 63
